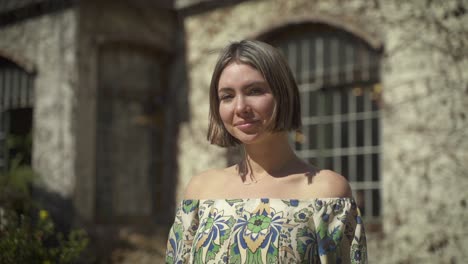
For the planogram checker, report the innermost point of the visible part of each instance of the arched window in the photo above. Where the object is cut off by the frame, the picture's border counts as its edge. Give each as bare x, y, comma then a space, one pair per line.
339, 82
16, 104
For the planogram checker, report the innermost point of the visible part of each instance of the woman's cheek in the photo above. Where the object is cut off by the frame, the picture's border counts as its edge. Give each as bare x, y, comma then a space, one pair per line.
224, 114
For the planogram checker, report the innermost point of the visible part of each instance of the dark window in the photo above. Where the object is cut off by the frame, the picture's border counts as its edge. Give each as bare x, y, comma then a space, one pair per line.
130, 142
16, 102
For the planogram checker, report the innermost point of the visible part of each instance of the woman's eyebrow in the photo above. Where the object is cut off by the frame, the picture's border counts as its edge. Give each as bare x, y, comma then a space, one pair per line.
255, 83
248, 85
225, 89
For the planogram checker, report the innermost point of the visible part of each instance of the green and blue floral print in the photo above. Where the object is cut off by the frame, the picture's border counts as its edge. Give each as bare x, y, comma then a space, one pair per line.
261, 231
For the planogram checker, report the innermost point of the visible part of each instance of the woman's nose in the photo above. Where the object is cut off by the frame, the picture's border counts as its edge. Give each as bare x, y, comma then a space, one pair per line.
242, 105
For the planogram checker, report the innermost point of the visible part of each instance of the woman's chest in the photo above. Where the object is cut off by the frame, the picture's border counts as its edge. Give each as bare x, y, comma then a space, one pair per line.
237, 232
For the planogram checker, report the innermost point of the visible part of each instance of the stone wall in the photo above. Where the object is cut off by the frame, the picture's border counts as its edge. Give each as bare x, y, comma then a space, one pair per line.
49, 44
424, 133
424, 116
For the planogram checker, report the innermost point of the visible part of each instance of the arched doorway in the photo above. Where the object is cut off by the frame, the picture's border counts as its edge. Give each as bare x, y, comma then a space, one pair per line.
131, 104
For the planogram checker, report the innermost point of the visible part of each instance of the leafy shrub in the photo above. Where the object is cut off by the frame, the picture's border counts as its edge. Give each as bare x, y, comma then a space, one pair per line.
27, 232
23, 240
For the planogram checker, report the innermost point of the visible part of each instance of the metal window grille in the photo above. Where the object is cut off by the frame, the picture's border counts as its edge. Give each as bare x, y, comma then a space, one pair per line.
338, 79
16, 100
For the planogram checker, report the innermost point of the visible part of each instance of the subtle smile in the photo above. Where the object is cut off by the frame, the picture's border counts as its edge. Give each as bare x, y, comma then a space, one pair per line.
243, 125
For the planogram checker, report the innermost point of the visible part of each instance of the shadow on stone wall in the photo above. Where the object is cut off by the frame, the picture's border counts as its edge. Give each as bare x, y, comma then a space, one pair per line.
60, 209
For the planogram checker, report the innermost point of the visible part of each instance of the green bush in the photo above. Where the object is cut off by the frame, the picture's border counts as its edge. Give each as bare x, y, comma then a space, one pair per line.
27, 232
25, 241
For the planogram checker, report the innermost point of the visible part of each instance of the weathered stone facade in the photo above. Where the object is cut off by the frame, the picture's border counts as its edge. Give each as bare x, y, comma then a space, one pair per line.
425, 124
47, 45
64, 49
424, 120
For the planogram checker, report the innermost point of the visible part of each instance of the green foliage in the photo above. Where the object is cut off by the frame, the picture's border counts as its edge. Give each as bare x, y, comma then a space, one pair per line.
15, 185
27, 233
25, 241
15, 182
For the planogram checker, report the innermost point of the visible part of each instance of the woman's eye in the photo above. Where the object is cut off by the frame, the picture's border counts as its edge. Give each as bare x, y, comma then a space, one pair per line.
255, 91
225, 97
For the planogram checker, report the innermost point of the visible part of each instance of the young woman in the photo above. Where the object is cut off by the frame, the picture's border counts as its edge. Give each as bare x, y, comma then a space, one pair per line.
271, 207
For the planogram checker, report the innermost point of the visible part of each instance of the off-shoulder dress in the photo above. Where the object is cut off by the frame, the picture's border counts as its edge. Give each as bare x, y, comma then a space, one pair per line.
262, 230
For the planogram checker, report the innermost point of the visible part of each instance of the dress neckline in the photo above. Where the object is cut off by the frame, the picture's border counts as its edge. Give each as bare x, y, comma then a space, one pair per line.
273, 199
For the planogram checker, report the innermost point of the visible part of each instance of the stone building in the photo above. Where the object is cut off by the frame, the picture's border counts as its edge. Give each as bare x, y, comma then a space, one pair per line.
117, 91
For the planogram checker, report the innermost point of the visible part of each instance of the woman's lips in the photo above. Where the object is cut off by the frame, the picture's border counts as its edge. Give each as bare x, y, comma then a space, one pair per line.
245, 125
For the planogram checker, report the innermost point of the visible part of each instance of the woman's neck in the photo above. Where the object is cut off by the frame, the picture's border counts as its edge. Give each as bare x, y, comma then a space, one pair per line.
273, 157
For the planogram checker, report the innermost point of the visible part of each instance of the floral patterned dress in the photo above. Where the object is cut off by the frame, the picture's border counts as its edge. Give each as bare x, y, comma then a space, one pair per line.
258, 231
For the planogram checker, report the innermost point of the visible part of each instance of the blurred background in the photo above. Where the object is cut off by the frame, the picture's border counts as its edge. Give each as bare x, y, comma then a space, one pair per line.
104, 113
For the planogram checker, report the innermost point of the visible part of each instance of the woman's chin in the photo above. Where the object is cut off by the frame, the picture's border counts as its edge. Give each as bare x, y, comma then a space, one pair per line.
251, 139
250, 136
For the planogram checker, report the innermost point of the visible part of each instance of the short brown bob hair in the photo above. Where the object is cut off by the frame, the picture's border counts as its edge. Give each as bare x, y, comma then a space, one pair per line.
274, 68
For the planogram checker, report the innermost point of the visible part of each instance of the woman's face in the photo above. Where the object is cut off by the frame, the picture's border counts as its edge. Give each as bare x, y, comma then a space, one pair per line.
246, 103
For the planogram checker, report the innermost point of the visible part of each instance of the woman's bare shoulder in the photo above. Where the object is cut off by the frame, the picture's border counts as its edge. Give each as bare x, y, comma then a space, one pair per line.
201, 184
328, 184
